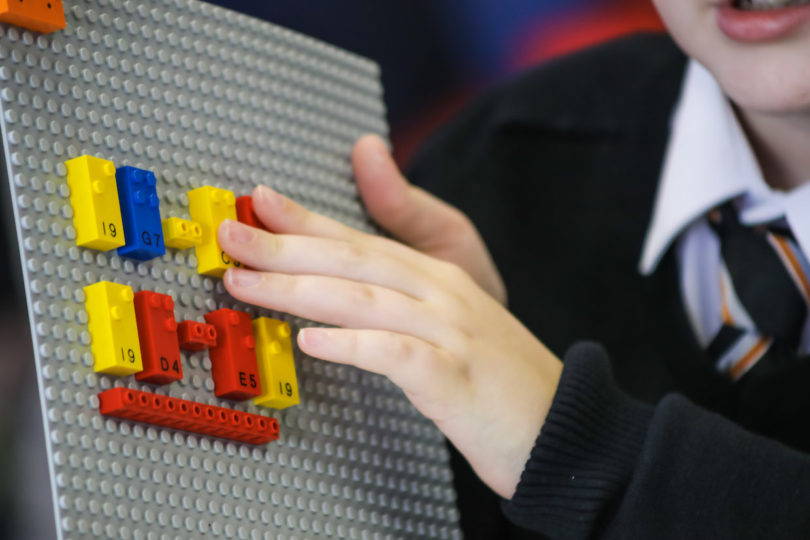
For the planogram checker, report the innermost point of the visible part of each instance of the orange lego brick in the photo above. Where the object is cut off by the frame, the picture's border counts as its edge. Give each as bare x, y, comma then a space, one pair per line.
43, 16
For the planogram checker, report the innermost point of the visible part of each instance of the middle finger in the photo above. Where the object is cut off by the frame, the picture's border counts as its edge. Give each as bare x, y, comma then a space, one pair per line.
293, 254
336, 301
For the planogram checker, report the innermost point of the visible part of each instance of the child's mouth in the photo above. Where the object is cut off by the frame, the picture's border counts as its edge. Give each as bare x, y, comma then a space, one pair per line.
753, 21
761, 5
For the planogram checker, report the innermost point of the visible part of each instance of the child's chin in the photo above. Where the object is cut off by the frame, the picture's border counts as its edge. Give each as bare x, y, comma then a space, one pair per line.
767, 83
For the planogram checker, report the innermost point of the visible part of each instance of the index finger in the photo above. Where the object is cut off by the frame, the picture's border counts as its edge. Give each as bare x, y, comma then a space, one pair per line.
282, 215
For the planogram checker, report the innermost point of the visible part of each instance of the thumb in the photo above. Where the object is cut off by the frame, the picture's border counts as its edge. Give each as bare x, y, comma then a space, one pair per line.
418, 219
412, 215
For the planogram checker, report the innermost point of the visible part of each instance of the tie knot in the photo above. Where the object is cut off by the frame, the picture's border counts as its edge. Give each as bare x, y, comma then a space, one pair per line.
725, 219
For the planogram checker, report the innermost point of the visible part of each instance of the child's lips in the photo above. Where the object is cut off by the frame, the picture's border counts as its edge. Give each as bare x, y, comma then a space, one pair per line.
759, 25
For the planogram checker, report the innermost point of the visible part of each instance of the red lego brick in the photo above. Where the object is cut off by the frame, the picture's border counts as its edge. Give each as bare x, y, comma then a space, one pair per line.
157, 332
233, 359
196, 336
245, 213
188, 416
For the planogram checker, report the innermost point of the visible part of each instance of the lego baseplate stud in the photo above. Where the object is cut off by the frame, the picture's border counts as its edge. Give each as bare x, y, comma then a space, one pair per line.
43, 16
210, 206
233, 358
188, 416
274, 354
140, 212
196, 336
245, 213
113, 328
94, 198
181, 233
157, 331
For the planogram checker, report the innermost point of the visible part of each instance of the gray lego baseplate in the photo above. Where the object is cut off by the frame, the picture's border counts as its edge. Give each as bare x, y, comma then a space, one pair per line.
201, 96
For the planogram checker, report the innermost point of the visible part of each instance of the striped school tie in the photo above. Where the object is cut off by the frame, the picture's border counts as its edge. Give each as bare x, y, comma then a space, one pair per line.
765, 293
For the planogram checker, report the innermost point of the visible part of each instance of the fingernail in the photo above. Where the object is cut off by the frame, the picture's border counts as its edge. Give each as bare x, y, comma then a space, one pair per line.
265, 194
238, 233
311, 337
244, 278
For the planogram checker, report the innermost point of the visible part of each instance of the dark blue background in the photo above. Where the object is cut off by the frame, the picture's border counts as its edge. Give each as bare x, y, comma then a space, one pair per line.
435, 54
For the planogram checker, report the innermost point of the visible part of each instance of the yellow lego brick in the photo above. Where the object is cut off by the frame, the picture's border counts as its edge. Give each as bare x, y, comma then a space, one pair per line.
181, 233
274, 354
94, 198
210, 206
113, 327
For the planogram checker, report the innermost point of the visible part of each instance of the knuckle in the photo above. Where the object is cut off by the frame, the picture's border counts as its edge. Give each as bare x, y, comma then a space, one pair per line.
273, 244
299, 215
425, 361
289, 285
455, 296
453, 272
406, 350
455, 305
364, 295
403, 349
385, 243
433, 361
352, 254
460, 369
459, 340
457, 223
382, 244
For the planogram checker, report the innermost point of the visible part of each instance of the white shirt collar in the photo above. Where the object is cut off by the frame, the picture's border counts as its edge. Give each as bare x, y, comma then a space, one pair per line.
709, 161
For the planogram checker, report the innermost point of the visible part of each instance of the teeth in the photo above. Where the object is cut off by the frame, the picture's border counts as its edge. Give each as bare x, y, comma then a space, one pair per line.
769, 4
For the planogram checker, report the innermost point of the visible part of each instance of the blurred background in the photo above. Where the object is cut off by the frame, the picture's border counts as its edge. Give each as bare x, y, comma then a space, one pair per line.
435, 56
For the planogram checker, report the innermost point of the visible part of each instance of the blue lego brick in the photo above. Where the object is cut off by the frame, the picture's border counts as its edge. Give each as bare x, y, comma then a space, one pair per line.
140, 210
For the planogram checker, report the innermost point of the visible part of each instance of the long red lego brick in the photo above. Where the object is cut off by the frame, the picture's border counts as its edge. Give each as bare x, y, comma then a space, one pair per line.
188, 416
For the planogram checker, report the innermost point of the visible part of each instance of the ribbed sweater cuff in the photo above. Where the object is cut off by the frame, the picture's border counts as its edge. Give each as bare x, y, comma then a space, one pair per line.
585, 453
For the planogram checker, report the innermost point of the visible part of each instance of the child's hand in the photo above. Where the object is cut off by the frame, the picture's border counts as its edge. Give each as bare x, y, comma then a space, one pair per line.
418, 219
459, 356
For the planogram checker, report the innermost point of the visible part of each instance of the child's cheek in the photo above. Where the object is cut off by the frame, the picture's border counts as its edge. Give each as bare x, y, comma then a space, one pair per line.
766, 75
